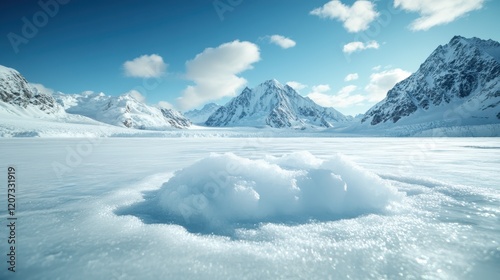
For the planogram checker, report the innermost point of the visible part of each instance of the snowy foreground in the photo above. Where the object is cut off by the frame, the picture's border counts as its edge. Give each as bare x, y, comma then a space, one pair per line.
256, 208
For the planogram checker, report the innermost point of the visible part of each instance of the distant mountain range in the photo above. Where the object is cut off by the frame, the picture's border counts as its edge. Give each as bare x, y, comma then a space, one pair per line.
19, 98
201, 116
275, 105
123, 110
457, 85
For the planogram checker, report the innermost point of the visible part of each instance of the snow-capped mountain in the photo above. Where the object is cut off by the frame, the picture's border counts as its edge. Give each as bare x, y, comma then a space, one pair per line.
275, 105
124, 110
18, 97
201, 116
458, 84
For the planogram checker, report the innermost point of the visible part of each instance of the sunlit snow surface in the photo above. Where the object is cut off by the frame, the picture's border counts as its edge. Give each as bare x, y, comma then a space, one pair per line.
115, 208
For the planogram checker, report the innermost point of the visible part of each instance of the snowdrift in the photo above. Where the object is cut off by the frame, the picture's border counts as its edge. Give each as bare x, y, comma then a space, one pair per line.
224, 191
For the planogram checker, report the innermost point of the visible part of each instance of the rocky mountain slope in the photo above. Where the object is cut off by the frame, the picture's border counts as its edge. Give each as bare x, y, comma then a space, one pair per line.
459, 84
18, 97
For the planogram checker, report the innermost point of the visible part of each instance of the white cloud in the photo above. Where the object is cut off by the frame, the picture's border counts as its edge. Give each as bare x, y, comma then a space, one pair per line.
166, 105
433, 13
359, 46
296, 85
377, 68
343, 99
380, 83
136, 95
351, 77
355, 18
146, 66
282, 41
42, 89
350, 96
215, 70
321, 88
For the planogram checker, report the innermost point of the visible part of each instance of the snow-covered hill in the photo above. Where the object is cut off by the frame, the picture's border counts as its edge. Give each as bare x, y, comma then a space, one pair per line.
201, 116
459, 84
275, 105
19, 98
124, 111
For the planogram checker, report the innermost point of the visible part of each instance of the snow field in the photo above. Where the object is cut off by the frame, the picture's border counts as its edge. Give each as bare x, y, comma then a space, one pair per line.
104, 220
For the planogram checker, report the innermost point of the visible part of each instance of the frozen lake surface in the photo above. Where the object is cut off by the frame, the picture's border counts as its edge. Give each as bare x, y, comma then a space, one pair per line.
114, 208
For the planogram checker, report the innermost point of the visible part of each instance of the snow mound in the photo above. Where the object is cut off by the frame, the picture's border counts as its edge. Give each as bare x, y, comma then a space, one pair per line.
225, 191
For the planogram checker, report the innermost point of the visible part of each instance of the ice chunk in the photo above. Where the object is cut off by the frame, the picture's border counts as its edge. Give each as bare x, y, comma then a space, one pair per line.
224, 191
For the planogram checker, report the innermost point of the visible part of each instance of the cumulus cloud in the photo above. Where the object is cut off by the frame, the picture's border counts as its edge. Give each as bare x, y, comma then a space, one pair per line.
215, 70
320, 88
282, 41
136, 95
351, 77
42, 89
359, 46
146, 66
433, 13
381, 82
342, 99
377, 68
355, 18
296, 85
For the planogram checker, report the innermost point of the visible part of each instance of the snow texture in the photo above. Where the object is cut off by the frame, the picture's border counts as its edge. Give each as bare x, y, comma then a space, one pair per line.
83, 216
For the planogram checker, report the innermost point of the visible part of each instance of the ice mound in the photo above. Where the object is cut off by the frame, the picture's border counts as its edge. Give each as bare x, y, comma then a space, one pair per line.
227, 191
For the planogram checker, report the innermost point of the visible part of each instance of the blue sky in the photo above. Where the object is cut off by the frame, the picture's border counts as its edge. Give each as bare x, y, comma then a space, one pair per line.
344, 54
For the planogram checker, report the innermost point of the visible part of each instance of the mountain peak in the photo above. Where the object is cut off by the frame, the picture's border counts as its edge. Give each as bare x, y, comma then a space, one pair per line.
464, 46
272, 104
16, 91
4, 69
457, 38
272, 82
